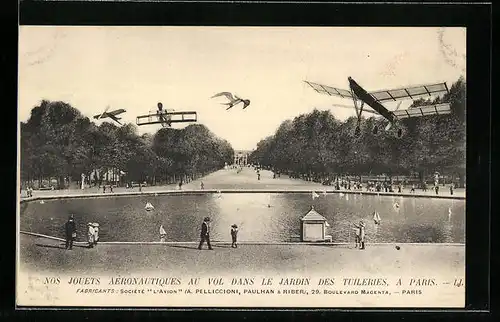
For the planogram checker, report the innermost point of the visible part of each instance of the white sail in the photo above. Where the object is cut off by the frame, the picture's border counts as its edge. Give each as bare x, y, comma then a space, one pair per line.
149, 206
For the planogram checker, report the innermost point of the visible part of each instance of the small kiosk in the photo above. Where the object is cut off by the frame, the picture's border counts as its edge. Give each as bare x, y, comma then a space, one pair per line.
313, 227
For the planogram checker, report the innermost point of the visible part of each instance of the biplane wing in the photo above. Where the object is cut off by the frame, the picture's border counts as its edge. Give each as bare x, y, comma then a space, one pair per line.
116, 112
167, 118
328, 90
365, 110
435, 109
410, 92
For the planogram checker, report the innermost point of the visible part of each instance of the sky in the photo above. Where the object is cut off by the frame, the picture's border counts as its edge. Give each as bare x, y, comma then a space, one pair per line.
92, 67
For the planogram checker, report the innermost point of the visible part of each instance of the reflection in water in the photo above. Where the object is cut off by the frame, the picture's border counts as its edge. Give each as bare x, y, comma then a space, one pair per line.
259, 216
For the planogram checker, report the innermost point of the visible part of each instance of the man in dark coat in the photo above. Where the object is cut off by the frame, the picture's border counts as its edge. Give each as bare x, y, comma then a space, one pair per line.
70, 229
205, 233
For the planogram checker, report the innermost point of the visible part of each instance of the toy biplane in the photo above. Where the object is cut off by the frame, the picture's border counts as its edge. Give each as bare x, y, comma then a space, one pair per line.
166, 117
374, 100
112, 115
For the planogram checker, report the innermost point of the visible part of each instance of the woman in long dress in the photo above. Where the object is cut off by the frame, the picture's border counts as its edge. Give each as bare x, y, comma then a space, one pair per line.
90, 235
96, 233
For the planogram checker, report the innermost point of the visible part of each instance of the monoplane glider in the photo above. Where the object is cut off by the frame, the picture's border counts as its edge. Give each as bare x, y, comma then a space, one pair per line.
233, 100
166, 117
375, 99
112, 115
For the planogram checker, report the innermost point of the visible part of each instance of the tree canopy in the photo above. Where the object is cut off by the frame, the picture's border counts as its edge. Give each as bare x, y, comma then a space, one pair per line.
58, 141
318, 143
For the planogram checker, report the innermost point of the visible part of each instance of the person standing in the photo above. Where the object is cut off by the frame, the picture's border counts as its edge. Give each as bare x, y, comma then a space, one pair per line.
96, 233
360, 234
205, 233
234, 236
451, 189
437, 189
202, 185
70, 230
90, 235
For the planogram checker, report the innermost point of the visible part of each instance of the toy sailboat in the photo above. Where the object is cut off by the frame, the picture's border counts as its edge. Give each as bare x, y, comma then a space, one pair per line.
376, 218
149, 206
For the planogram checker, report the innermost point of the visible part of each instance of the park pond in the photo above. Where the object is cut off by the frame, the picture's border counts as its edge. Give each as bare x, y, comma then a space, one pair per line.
261, 217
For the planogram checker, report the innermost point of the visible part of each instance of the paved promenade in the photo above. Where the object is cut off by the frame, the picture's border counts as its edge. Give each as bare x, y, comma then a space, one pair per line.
49, 255
231, 180
45, 256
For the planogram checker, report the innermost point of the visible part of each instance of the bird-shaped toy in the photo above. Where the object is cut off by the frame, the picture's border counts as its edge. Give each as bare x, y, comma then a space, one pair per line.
233, 100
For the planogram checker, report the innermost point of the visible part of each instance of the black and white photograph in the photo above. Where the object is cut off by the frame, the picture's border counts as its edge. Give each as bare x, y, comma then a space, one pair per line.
232, 166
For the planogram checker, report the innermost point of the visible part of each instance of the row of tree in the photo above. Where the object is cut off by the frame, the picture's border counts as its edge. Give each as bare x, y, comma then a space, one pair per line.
318, 145
59, 142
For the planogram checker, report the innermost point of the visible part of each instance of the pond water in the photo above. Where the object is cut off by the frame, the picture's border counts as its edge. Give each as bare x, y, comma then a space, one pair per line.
263, 217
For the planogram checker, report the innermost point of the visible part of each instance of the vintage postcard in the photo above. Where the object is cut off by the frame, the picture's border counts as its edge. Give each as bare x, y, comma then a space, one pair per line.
309, 167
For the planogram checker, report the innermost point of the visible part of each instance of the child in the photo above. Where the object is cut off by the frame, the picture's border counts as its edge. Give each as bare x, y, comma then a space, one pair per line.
234, 235
96, 233
90, 235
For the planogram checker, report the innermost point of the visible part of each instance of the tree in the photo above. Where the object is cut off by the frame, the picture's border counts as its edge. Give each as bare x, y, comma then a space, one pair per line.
317, 144
57, 141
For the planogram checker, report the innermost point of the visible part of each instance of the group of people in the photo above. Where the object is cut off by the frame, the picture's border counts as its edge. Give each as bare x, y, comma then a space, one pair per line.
205, 234
92, 234
436, 188
104, 188
29, 192
360, 230
70, 233
360, 235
